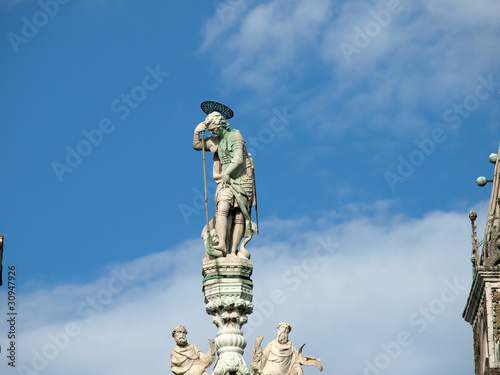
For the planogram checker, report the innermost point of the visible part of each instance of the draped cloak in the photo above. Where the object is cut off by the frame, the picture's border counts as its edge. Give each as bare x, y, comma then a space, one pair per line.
189, 360
280, 359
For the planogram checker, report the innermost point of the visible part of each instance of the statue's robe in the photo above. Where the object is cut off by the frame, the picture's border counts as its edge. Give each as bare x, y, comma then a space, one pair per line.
280, 359
189, 360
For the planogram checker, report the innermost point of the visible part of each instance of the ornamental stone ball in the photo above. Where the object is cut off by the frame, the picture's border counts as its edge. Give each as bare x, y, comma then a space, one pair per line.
481, 181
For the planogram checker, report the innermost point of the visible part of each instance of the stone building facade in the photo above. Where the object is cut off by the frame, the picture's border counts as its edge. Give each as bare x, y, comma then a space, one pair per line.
483, 305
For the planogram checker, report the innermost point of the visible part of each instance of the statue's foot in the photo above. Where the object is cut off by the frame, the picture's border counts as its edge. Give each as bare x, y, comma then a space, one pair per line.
244, 253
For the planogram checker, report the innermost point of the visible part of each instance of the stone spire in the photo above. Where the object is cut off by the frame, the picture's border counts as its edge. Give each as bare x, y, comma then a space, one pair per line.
491, 243
483, 305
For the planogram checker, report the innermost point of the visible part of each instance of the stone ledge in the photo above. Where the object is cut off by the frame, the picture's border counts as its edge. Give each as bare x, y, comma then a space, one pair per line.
482, 276
232, 288
227, 267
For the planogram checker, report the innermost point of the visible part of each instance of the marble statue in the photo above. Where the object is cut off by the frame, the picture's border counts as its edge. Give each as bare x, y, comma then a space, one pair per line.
280, 356
188, 359
233, 172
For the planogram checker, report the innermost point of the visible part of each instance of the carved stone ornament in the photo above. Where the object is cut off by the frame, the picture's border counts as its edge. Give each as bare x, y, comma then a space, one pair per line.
475, 331
493, 250
228, 297
474, 257
496, 313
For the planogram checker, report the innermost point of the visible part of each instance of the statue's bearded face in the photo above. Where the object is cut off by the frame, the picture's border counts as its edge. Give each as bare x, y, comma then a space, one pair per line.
282, 335
180, 338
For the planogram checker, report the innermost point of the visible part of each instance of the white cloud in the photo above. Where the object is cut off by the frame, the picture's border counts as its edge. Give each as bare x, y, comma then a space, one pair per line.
270, 38
345, 302
12, 3
426, 58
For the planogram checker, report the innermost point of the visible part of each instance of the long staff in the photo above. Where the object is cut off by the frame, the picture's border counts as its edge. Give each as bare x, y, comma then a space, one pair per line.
205, 177
256, 210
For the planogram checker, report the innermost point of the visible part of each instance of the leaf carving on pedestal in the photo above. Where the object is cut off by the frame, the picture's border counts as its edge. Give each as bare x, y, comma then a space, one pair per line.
496, 313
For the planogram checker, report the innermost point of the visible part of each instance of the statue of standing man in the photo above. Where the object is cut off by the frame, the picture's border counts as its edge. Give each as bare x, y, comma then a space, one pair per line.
233, 172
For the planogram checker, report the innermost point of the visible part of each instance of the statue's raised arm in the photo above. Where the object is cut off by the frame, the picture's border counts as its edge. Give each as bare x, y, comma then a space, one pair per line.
210, 141
233, 172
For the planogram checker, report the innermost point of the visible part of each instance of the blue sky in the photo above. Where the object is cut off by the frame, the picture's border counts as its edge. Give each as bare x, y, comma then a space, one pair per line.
368, 122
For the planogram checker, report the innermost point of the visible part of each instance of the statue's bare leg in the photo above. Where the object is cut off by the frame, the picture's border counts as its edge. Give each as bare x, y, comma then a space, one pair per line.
238, 230
221, 225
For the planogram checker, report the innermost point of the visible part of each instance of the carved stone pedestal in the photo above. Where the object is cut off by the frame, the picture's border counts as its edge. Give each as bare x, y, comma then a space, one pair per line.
228, 297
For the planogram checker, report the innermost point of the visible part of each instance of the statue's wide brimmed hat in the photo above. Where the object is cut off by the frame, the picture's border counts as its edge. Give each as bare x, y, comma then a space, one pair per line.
210, 106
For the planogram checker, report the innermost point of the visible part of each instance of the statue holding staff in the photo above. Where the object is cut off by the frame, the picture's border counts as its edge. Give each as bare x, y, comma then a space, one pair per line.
233, 172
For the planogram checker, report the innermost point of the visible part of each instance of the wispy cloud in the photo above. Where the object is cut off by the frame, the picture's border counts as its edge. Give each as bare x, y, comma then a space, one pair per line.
400, 80
267, 39
12, 3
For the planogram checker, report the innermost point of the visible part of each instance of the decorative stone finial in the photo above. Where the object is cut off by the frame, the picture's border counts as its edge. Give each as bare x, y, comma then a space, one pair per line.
474, 256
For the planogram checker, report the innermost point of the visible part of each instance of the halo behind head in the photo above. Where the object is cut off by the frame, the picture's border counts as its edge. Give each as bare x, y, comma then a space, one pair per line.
210, 106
